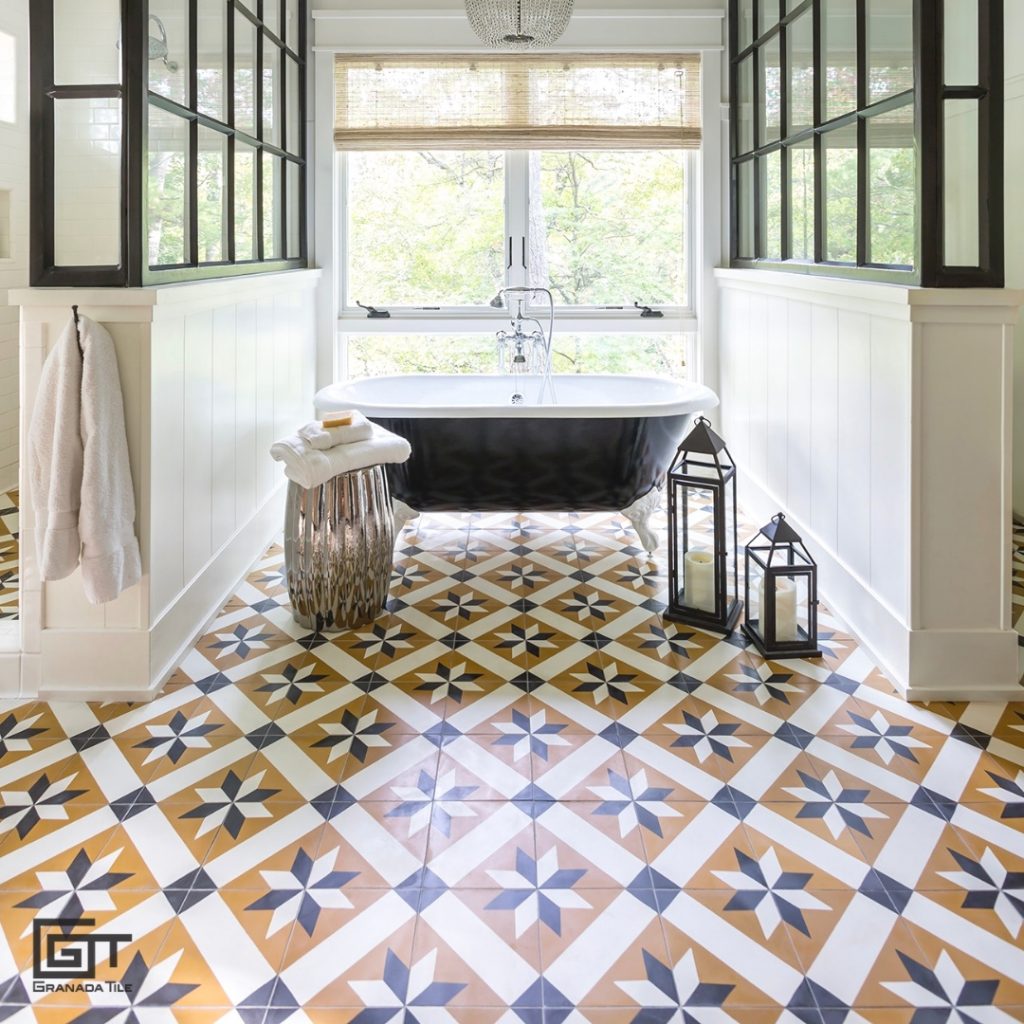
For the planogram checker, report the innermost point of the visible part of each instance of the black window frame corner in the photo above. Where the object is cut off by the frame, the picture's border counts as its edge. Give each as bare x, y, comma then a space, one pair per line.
133, 268
927, 98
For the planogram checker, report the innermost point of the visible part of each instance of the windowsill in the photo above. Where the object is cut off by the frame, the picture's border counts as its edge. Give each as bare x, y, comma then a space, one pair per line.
469, 321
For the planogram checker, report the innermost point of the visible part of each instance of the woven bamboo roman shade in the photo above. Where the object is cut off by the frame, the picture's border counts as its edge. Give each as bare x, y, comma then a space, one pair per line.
548, 101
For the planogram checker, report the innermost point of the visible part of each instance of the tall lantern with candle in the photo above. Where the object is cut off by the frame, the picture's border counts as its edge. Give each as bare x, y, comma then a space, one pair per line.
703, 575
784, 578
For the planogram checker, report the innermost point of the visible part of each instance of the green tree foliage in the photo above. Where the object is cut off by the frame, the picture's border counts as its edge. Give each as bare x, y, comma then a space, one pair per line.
428, 229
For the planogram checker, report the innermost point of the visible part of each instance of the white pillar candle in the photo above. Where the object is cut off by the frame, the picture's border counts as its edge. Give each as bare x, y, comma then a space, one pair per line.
699, 580
785, 609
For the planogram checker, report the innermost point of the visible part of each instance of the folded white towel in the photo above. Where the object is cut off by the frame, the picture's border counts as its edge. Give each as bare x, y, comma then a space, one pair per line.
309, 467
317, 436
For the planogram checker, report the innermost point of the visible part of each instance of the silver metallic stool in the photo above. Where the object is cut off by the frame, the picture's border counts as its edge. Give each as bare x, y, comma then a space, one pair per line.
339, 542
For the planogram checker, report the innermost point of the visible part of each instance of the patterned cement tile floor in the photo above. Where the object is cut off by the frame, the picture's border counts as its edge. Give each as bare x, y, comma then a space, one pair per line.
9, 561
518, 796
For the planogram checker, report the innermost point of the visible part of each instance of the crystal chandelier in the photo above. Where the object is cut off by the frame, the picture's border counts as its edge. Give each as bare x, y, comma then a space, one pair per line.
519, 24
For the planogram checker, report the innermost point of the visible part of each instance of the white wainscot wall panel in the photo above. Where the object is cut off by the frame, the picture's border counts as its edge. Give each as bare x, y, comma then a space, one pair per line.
212, 373
853, 408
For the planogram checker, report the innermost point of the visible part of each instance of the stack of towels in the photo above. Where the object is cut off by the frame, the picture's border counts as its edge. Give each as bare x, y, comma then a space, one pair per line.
343, 442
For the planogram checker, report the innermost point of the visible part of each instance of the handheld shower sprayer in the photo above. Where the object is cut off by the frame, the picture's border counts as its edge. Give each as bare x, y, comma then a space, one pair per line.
519, 336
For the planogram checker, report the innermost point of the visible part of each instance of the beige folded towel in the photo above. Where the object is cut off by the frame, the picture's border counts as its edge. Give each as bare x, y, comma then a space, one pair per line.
320, 438
310, 467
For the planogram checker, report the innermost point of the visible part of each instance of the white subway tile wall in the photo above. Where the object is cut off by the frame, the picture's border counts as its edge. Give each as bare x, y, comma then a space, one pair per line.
13, 219
86, 42
87, 182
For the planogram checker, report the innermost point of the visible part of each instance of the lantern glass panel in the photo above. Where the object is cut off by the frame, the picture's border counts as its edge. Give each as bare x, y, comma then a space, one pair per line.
792, 608
694, 539
706, 583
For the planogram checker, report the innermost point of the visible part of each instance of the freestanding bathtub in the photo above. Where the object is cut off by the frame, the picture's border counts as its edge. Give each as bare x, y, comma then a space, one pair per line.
605, 444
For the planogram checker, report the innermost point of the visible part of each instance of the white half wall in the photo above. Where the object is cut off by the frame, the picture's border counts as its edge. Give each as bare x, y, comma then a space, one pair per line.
212, 373
879, 419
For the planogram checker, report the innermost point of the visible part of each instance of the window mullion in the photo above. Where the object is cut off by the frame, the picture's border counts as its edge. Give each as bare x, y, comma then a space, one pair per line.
517, 215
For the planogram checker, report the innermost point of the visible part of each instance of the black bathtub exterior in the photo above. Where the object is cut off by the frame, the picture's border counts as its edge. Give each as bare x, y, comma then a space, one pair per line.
545, 464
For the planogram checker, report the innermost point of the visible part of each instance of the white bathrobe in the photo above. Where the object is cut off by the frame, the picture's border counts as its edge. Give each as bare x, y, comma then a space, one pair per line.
80, 477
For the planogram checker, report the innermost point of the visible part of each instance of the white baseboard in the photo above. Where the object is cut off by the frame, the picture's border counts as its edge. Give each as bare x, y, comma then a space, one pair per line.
133, 665
924, 664
185, 620
977, 665
877, 627
84, 664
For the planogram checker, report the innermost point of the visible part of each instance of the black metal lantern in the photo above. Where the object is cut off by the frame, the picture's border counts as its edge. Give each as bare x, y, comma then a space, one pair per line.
703, 576
784, 577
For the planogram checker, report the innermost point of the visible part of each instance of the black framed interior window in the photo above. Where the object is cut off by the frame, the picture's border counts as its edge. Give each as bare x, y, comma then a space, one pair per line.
867, 138
225, 137
168, 139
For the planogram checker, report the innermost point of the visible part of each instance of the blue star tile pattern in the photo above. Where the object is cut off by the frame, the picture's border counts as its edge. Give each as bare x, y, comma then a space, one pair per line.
884, 738
765, 683
241, 641
604, 682
433, 803
538, 890
292, 683
179, 735
84, 886
835, 804
456, 848
300, 893
23, 810
634, 803
706, 736
666, 990
354, 734
530, 734
452, 682
231, 804
89, 738
529, 639
14, 997
16, 736
991, 886
386, 641
666, 639
772, 894
145, 991
406, 994
942, 993
583, 605
1009, 792
458, 607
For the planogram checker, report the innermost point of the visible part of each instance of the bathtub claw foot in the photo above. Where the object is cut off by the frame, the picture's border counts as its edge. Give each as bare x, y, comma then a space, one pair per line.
403, 514
639, 514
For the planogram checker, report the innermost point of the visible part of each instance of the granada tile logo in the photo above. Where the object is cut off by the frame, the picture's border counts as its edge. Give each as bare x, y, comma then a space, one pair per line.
66, 959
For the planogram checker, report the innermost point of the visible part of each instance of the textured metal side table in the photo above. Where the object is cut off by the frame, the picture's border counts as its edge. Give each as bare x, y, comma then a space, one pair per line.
339, 544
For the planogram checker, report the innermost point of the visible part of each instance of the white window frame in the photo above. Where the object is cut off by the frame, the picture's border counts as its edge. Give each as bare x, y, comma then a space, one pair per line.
482, 320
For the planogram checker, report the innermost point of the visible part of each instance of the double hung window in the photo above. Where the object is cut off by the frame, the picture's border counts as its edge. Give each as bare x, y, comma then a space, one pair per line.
517, 195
